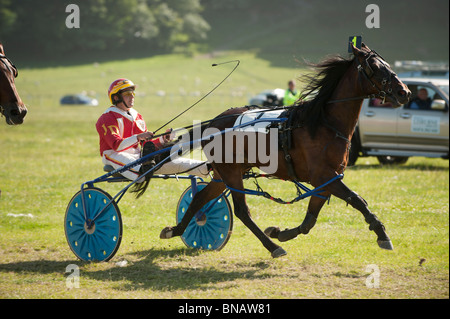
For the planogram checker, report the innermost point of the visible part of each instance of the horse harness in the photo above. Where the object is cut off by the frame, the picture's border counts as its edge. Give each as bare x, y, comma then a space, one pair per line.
285, 137
285, 140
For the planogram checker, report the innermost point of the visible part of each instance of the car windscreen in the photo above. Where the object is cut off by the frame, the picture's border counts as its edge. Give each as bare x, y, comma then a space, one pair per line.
444, 88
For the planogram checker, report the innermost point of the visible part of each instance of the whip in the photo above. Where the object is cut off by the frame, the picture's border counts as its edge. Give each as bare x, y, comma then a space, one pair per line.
207, 94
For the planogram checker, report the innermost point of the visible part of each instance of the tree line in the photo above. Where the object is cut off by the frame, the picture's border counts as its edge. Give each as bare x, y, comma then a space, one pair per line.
40, 26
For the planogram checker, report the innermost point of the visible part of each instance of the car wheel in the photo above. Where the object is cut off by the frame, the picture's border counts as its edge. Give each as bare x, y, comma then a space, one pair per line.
392, 160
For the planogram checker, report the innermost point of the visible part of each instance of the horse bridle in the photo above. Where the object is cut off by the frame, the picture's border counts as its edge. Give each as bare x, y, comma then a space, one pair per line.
14, 71
368, 73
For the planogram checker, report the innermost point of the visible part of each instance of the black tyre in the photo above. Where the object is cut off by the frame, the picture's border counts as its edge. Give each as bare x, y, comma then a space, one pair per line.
392, 160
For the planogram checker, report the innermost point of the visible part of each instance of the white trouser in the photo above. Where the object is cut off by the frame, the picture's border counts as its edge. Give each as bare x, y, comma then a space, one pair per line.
175, 166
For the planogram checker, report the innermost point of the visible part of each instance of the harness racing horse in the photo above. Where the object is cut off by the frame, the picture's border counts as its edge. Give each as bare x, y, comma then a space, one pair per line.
321, 130
11, 106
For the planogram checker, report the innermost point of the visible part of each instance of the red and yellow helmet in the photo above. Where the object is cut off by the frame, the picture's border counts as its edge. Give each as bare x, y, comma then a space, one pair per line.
117, 86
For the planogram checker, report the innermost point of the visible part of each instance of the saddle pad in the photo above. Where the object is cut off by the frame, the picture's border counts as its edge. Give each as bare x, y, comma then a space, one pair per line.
253, 115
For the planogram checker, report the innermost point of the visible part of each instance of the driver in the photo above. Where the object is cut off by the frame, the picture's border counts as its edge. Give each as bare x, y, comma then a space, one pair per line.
421, 101
123, 133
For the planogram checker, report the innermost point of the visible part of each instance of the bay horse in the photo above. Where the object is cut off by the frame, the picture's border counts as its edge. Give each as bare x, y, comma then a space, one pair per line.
11, 105
321, 128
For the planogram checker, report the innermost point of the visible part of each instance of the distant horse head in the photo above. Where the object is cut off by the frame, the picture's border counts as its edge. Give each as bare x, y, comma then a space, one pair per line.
11, 106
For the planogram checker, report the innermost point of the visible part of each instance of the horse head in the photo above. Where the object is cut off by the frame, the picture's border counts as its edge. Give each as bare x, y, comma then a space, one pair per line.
381, 80
11, 105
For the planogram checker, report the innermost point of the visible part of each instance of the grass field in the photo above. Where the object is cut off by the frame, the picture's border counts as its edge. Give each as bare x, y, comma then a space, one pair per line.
44, 161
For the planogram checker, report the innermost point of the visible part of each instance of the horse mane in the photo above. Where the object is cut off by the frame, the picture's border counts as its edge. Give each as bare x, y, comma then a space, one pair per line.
321, 86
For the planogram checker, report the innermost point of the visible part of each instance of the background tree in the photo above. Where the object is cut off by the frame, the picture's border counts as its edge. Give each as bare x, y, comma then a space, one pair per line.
155, 25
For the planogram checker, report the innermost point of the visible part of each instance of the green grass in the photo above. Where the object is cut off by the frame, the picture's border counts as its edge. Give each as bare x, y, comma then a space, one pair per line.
44, 161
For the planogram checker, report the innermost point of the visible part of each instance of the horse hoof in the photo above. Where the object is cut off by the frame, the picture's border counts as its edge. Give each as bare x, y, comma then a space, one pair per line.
166, 233
278, 252
385, 244
272, 232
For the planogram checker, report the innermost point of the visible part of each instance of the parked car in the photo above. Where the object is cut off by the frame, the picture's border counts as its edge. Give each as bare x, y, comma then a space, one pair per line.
268, 98
395, 134
78, 99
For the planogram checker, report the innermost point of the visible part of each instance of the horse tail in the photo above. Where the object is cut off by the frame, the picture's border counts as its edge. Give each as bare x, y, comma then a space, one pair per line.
140, 188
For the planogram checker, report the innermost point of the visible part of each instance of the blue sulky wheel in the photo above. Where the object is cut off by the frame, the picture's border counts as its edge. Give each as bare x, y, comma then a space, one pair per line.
213, 228
98, 240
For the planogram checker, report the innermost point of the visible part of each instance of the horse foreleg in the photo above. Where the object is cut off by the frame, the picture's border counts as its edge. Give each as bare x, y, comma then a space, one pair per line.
211, 191
314, 207
340, 190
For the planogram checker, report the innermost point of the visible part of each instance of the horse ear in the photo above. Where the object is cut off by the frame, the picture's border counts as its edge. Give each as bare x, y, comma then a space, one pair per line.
364, 46
356, 51
1, 49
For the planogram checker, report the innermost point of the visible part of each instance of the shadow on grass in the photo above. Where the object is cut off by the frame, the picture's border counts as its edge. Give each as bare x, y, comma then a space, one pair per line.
156, 269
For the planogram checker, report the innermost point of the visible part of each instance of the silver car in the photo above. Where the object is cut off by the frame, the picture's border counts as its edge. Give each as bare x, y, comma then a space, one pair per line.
268, 98
418, 128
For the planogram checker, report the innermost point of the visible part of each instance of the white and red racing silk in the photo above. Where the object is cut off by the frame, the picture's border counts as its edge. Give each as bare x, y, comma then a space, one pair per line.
119, 145
118, 130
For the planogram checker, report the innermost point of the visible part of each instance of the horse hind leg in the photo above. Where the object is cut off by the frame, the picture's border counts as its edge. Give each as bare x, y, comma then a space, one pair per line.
314, 207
